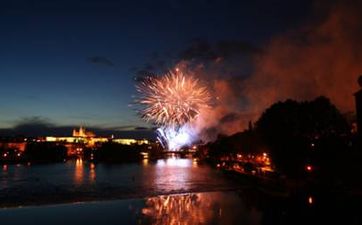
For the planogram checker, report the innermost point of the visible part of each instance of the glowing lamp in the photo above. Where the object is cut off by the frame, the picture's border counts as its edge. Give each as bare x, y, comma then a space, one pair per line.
309, 168
310, 200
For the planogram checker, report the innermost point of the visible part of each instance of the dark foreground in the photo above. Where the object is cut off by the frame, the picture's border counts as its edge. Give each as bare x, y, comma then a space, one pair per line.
192, 208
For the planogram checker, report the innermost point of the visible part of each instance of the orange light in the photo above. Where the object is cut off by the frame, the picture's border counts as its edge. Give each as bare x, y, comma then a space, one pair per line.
310, 200
194, 162
78, 171
92, 171
309, 168
145, 161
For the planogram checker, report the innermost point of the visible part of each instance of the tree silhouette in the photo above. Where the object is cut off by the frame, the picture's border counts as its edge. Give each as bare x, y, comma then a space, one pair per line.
289, 127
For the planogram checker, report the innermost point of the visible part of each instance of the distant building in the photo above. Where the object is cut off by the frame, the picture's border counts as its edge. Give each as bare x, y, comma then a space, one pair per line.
358, 98
83, 138
89, 139
128, 141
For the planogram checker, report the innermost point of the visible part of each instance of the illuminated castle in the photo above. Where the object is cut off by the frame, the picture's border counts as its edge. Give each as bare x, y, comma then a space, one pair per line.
89, 139
83, 133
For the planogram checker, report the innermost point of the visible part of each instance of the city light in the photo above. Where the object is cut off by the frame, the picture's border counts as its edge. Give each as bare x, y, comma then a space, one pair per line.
310, 200
309, 168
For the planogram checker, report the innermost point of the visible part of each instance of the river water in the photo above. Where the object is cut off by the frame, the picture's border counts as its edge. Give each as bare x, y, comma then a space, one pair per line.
165, 191
79, 180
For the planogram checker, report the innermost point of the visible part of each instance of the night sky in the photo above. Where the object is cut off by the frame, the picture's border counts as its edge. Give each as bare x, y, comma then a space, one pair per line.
71, 62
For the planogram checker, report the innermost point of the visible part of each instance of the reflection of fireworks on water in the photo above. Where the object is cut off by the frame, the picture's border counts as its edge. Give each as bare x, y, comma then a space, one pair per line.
198, 208
172, 102
177, 209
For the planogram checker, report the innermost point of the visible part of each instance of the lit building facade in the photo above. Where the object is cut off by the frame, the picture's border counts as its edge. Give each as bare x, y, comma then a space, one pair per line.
88, 138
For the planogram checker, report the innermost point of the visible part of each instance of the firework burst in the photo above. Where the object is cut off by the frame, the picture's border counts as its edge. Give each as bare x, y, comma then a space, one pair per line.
172, 102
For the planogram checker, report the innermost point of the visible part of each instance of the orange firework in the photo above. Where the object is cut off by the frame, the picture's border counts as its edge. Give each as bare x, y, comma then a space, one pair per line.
172, 100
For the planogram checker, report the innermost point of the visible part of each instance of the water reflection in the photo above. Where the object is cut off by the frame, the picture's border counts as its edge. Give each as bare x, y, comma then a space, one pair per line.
145, 161
78, 171
198, 208
4, 177
173, 174
194, 162
213, 208
183, 209
174, 162
84, 172
92, 172
79, 179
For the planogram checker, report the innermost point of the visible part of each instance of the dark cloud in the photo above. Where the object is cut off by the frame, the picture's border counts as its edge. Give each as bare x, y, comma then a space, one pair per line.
33, 126
229, 48
229, 118
143, 128
226, 57
33, 120
201, 50
128, 128
122, 128
143, 75
100, 60
151, 67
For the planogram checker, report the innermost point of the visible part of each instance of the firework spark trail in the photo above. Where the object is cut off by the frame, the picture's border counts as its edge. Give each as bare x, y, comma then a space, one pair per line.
172, 102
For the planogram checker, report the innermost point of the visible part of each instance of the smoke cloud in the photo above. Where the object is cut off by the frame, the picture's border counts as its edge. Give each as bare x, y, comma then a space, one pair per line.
323, 57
